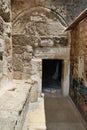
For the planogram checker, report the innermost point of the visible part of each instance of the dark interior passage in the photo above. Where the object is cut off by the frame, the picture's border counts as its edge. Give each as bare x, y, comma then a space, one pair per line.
51, 74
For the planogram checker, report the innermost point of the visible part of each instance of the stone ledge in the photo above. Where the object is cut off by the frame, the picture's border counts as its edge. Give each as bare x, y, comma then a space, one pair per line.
13, 107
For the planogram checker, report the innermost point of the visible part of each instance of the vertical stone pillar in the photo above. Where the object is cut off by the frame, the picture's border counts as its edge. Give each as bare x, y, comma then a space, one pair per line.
36, 78
65, 77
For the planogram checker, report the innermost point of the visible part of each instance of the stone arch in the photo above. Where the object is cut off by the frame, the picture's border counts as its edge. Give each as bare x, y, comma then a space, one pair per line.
24, 17
22, 13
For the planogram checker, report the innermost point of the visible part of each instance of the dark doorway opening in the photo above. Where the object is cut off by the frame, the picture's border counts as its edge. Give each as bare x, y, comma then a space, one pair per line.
51, 74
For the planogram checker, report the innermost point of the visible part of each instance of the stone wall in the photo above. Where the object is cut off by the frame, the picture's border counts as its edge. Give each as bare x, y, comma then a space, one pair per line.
78, 49
29, 38
38, 33
78, 90
68, 9
83, 26
5, 42
65, 11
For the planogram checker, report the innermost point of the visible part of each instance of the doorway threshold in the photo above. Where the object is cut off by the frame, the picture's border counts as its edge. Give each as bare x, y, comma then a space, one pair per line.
52, 92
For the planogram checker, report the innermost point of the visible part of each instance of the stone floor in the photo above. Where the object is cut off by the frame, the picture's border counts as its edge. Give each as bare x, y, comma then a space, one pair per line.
53, 113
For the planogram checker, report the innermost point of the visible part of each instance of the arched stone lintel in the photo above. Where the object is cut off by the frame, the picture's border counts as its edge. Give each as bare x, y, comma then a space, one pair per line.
48, 10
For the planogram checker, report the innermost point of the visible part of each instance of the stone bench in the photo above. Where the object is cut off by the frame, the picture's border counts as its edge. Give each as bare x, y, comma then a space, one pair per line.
13, 107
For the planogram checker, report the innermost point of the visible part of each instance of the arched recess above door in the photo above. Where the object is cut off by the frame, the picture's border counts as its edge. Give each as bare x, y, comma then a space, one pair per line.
39, 21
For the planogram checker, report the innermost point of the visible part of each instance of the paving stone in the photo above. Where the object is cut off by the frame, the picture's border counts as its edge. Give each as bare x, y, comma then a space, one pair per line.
53, 113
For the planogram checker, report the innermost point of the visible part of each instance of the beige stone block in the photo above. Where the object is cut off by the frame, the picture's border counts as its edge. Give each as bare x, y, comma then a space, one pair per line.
27, 56
55, 28
8, 46
2, 44
29, 49
36, 65
26, 72
17, 62
17, 75
18, 49
7, 29
47, 52
34, 92
5, 11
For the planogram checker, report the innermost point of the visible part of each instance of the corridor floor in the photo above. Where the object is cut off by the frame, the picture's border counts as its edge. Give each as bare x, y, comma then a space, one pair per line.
53, 113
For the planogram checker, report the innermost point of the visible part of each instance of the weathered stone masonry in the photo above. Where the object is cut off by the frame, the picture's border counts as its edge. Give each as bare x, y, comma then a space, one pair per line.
31, 31
78, 84
38, 26
39, 34
67, 9
5, 42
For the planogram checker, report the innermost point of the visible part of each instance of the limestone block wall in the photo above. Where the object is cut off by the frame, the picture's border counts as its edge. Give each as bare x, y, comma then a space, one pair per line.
38, 33
5, 41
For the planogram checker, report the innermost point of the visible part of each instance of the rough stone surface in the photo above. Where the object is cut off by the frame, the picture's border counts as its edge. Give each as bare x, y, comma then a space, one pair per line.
13, 105
79, 65
61, 53
29, 32
5, 40
37, 30
2, 45
46, 42
5, 10
1, 25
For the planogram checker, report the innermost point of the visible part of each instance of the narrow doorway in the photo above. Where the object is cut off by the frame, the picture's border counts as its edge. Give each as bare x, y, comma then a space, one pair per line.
51, 74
